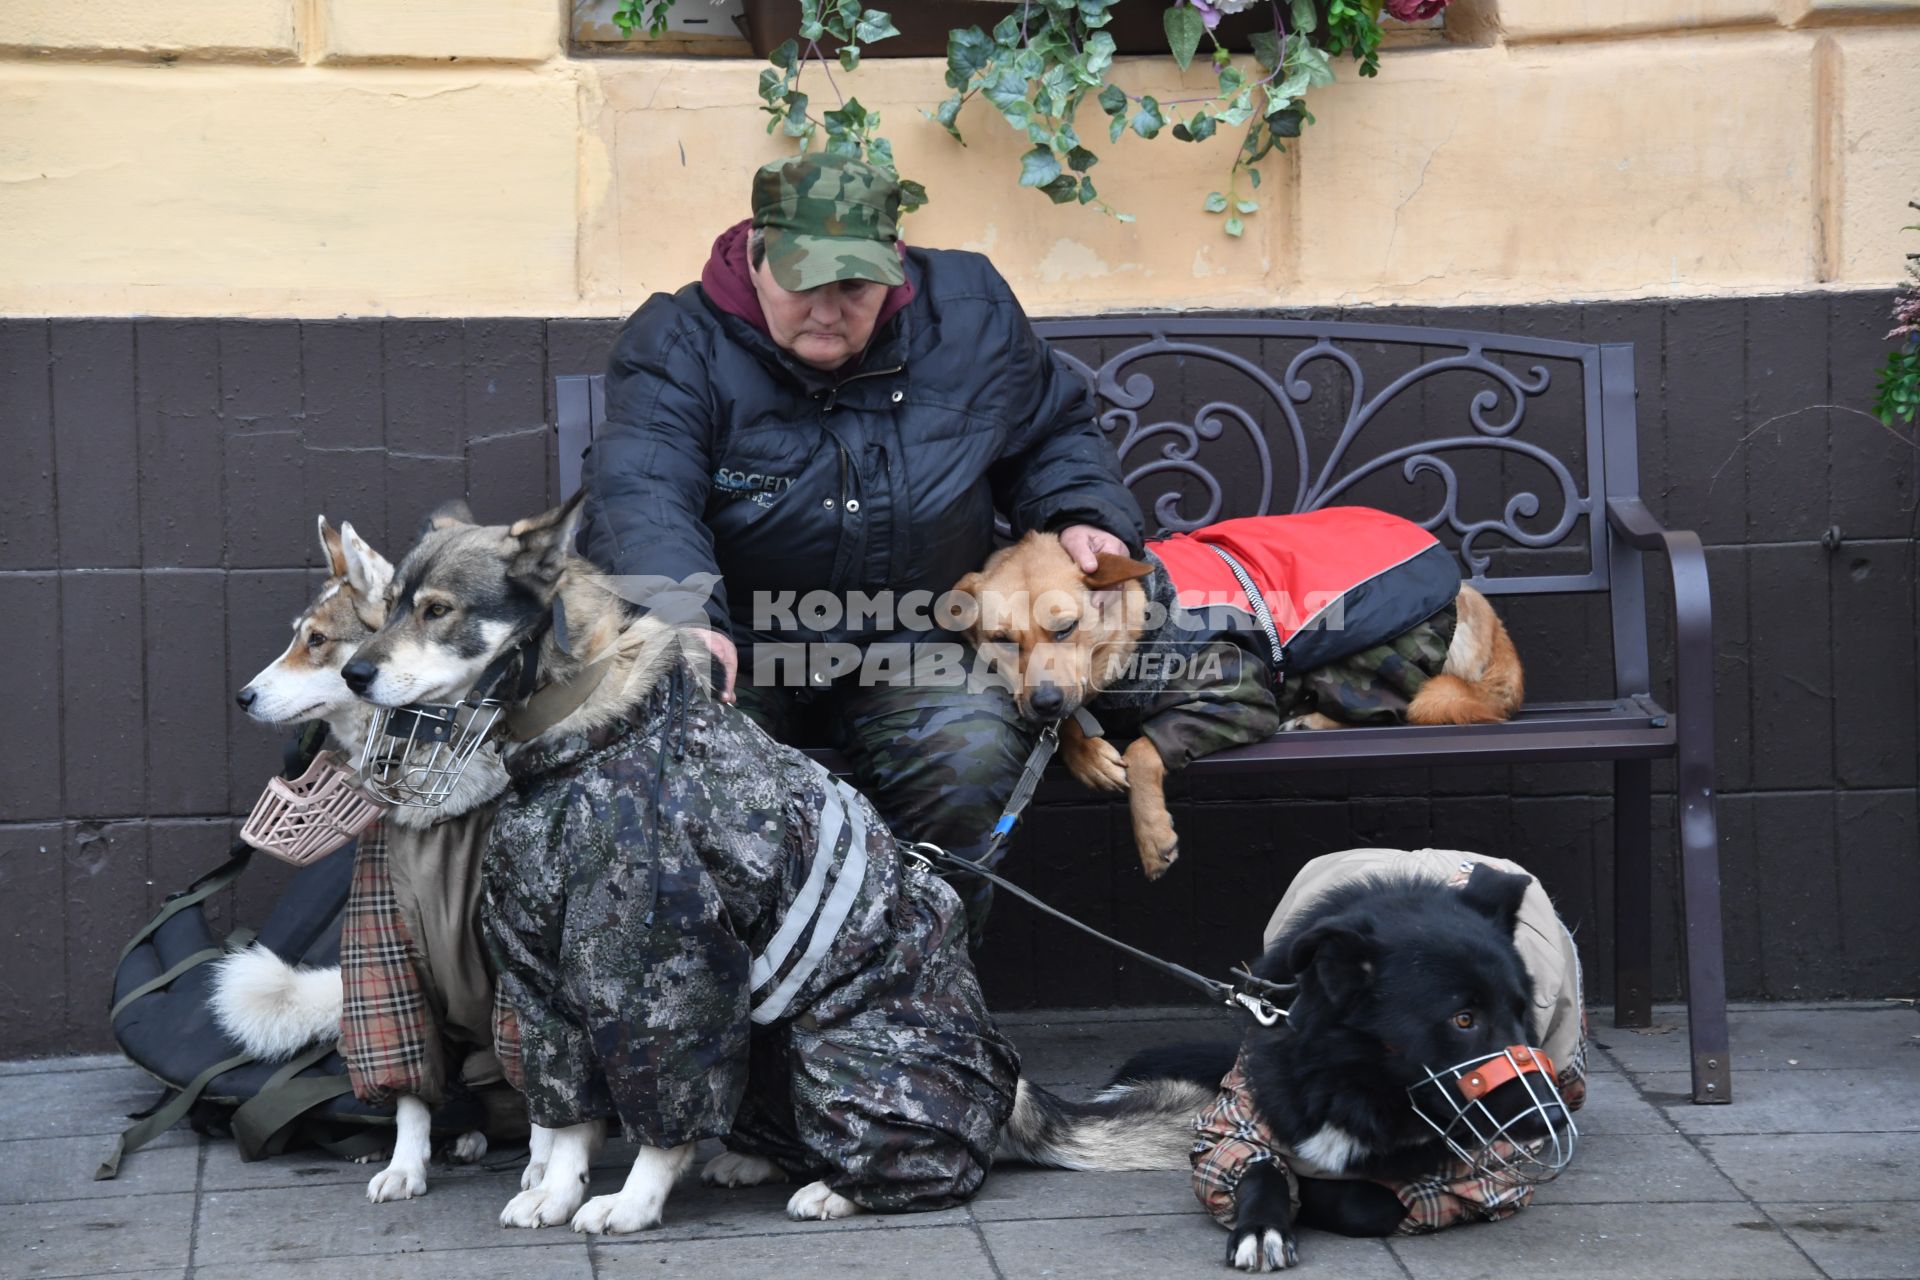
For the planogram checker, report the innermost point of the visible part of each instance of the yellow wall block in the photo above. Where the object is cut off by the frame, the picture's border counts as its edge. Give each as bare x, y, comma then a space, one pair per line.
415, 30
680, 141
174, 28
1573, 171
1877, 168
1552, 19
230, 190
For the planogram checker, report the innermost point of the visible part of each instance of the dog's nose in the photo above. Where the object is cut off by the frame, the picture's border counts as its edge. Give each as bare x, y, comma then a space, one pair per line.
1047, 700
246, 698
359, 675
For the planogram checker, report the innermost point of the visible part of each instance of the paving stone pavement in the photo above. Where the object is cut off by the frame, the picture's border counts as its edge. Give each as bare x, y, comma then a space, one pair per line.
1810, 1173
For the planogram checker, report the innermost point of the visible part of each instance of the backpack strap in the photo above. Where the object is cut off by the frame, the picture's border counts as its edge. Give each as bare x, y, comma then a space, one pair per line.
265, 1123
163, 1118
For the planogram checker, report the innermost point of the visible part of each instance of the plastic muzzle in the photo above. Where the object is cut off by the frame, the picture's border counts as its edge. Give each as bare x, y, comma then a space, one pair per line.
307, 818
1502, 1114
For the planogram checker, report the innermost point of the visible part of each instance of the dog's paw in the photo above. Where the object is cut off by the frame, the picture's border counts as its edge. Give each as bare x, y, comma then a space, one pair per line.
398, 1181
1097, 764
533, 1175
468, 1148
1262, 1249
731, 1169
1312, 720
539, 1207
1159, 850
818, 1202
618, 1215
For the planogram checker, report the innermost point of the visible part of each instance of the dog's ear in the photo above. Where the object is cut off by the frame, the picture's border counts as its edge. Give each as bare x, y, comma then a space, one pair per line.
543, 544
1115, 570
454, 511
1340, 953
365, 569
330, 548
1495, 894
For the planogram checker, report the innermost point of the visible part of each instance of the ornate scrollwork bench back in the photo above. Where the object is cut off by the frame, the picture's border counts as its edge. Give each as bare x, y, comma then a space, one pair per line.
1521, 454
1492, 441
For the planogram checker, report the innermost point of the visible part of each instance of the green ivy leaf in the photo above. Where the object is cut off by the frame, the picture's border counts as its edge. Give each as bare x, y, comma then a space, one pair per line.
1116, 127
1113, 99
1148, 121
797, 123
1006, 32
1185, 27
1255, 175
810, 25
1246, 206
1266, 49
850, 56
1087, 193
1039, 167
1287, 123
1063, 189
968, 53
874, 25
1123, 217
1094, 12
947, 113
787, 57
912, 195
1100, 51
1079, 159
1202, 126
1306, 19
1235, 226
1216, 203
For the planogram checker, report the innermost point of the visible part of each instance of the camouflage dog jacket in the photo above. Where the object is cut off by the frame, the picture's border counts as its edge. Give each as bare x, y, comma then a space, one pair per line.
703, 934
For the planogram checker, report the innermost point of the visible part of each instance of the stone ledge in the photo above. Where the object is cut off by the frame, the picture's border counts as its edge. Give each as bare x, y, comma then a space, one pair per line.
439, 30
231, 30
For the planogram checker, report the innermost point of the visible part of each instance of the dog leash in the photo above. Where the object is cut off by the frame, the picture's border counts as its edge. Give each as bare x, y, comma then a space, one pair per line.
1255, 995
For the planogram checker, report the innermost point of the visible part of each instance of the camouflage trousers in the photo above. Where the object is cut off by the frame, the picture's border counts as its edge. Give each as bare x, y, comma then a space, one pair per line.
938, 757
1230, 701
1374, 686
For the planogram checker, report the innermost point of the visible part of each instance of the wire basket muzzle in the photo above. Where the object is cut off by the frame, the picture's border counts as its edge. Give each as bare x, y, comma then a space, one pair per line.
415, 755
1501, 1114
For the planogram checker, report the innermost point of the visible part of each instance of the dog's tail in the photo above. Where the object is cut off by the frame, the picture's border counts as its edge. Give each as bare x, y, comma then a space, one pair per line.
1481, 682
274, 1009
1138, 1124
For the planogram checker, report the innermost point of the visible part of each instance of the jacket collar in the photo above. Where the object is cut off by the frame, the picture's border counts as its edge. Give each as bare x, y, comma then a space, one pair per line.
571, 751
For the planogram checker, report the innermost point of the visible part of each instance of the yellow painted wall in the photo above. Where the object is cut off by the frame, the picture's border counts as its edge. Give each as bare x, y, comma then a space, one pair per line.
446, 157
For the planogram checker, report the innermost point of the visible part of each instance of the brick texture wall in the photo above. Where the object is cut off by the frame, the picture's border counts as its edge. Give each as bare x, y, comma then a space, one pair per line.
156, 537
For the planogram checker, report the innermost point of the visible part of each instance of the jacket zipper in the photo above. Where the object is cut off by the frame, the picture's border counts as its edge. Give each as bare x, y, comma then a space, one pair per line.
832, 397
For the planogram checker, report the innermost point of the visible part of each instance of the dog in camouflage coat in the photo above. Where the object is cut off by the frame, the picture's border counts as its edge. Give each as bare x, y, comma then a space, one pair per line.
700, 932
1367, 622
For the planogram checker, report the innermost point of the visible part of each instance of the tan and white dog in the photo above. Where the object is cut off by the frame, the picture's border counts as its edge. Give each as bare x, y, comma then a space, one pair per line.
274, 1009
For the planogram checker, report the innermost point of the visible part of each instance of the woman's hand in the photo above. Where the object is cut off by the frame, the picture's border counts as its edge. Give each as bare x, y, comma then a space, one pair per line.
1085, 543
729, 657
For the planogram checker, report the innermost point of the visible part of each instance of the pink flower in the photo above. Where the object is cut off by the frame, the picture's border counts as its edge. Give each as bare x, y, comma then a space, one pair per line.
1415, 10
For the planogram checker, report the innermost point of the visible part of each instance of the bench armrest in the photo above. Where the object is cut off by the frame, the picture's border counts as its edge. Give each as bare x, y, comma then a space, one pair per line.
1636, 526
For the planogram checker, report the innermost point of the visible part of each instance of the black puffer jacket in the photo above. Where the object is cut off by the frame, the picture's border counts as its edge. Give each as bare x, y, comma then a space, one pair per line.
723, 454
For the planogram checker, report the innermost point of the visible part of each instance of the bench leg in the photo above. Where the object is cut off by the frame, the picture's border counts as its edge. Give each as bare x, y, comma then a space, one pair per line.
1705, 952
1632, 893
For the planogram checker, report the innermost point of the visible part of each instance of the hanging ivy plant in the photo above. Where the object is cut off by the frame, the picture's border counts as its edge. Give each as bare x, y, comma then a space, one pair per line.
1897, 398
1042, 61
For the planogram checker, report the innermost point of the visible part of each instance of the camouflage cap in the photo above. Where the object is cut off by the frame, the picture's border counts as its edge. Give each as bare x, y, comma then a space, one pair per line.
828, 218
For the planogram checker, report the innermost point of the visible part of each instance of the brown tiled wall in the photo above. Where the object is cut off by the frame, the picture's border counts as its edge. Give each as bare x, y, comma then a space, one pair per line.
156, 536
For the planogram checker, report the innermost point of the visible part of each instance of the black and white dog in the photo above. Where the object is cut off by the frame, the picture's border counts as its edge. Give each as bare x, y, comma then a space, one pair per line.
1410, 1055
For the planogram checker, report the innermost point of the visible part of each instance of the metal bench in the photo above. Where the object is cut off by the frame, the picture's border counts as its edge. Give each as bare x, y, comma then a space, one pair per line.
1522, 453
